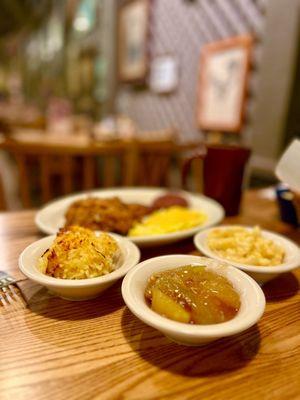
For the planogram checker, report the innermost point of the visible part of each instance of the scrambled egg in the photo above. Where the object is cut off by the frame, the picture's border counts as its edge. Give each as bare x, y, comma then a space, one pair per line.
77, 253
168, 220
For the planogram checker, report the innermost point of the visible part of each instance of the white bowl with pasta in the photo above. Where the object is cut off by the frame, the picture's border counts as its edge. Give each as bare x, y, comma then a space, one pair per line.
262, 274
77, 289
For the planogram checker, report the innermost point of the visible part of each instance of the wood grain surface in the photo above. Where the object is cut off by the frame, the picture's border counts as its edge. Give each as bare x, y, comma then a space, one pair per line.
60, 350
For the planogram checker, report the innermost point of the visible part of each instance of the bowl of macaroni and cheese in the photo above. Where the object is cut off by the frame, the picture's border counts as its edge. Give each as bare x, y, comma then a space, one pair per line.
261, 253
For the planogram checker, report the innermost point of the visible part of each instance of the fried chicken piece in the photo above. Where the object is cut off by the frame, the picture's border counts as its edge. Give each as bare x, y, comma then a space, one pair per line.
110, 214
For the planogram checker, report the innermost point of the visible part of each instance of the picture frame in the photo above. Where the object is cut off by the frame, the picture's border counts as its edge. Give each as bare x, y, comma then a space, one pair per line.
133, 36
223, 77
164, 74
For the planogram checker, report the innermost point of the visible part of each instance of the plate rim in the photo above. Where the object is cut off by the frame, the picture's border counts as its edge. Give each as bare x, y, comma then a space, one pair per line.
151, 239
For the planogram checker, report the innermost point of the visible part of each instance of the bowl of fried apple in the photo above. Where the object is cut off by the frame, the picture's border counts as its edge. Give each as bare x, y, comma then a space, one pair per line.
78, 263
192, 300
260, 253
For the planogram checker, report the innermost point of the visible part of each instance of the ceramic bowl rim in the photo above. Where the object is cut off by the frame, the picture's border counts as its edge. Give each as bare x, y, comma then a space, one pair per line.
290, 247
132, 258
233, 326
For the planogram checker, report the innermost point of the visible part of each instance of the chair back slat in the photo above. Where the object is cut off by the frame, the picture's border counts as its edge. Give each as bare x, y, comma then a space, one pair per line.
88, 172
59, 166
86, 164
154, 160
67, 165
130, 166
23, 180
45, 176
109, 171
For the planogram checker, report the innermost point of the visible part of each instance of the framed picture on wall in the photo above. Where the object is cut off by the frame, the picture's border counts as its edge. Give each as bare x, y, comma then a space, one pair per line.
133, 35
164, 74
223, 74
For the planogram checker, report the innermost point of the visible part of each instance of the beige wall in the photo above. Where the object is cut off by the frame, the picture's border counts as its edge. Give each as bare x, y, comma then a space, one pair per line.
275, 81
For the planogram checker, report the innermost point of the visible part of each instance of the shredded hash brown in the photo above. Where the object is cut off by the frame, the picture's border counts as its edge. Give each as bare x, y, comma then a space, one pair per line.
110, 215
77, 253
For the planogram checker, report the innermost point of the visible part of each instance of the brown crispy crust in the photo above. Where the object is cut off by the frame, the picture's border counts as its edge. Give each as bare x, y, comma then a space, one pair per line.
111, 215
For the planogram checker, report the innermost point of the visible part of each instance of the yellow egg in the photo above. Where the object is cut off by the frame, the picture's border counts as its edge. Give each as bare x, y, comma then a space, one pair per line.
168, 220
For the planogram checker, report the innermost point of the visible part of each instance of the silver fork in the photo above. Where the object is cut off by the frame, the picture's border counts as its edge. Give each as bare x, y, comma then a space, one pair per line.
9, 292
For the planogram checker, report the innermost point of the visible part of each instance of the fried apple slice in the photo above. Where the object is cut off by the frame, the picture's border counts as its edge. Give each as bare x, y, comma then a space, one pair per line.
164, 305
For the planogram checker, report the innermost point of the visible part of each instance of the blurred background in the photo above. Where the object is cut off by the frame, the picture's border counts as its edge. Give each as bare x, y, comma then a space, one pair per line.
100, 93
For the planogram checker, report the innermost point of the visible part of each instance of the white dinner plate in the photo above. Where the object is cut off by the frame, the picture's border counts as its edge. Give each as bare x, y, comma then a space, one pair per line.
52, 216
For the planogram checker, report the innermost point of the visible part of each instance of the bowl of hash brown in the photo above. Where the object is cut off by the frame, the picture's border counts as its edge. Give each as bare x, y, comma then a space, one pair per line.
78, 263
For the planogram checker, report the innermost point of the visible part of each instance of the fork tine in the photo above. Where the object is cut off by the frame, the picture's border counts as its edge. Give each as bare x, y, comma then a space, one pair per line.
2, 299
10, 294
17, 295
12, 290
7, 295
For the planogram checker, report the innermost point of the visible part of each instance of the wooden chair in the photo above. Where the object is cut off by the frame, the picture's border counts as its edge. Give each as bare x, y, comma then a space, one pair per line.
160, 160
43, 166
155, 163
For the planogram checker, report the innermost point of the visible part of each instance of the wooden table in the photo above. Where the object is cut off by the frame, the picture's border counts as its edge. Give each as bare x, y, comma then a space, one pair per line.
97, 349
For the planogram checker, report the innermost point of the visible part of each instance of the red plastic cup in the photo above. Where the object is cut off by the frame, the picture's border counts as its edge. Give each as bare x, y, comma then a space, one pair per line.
223, 173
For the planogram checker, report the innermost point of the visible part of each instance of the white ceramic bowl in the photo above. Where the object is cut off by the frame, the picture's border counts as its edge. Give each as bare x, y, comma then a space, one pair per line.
81, 289
251, 295
259, 273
